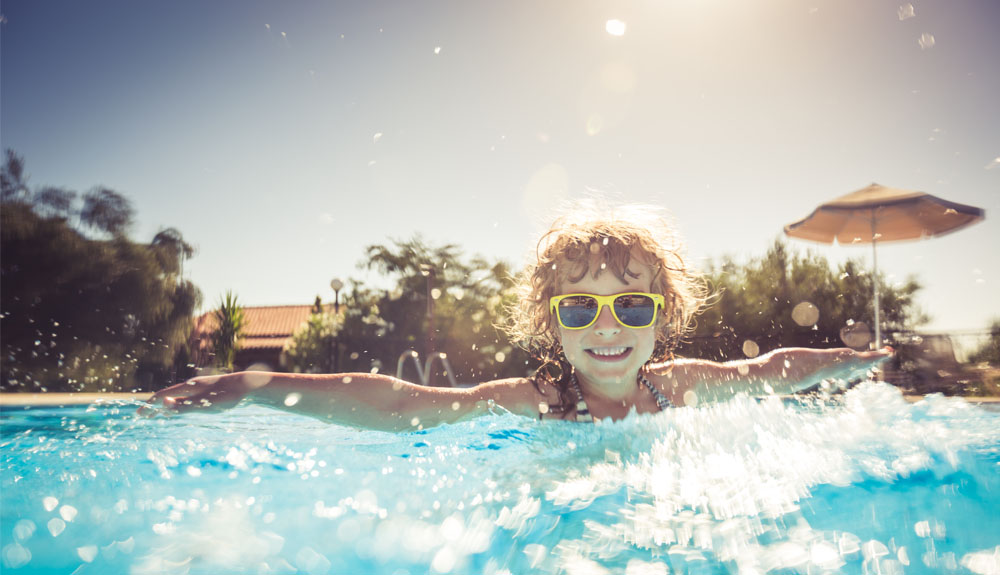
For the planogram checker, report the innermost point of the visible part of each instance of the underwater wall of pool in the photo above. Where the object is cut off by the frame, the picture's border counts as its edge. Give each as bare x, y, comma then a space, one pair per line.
860, 483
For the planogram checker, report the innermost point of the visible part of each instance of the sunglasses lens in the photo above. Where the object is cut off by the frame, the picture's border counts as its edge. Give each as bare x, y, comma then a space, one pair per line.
577, 311
635, 310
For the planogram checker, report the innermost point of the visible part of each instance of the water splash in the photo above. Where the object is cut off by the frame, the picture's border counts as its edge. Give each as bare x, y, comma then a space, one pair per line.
864, 482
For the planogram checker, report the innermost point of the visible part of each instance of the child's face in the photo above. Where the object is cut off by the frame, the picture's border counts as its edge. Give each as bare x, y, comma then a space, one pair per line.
588, 349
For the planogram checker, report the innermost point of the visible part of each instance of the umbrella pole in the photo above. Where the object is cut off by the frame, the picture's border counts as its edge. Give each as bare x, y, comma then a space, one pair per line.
878, 329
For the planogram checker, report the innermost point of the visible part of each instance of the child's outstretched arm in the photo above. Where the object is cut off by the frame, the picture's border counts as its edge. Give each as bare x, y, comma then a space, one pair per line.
781, 371
357, 399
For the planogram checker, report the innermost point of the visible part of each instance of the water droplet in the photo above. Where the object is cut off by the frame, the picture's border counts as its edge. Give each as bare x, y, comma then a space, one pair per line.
905, 12
68, 512
500, 356
16, 555
453, 527
415, 421
87, 553
455, 406
444, 560
49, 503
292, 398
437, 49
435, 293
750, 348
24, 529
376, 137
926, 41
56, 526
690, 398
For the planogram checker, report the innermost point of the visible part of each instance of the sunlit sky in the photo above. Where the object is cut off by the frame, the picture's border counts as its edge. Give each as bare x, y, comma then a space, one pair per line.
282, 137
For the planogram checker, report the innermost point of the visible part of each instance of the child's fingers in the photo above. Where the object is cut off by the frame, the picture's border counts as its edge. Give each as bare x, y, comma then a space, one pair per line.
208, 400
878, 355
168, 397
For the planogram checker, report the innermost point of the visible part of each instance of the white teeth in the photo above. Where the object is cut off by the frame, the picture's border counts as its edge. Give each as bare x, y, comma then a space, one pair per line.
608, 350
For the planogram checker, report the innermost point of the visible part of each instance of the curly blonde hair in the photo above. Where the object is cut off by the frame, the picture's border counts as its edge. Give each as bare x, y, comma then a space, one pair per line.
594, 238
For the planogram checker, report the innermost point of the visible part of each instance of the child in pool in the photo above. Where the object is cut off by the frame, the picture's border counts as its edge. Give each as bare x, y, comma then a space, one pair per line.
602, 307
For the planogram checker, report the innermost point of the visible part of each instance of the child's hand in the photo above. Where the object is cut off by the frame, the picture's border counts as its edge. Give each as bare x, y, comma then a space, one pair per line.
878, 356
207, 393
857, 368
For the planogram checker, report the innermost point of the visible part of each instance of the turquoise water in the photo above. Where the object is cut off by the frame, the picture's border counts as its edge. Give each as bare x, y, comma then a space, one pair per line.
864, 483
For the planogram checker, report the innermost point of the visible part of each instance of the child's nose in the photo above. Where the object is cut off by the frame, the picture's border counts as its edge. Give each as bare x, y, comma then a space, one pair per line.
606, 323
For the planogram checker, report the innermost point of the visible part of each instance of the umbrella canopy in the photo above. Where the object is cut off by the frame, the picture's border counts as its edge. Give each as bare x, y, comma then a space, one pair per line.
880, 214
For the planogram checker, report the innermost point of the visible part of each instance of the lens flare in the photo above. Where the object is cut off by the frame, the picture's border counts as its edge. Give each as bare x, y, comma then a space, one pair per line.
615, 27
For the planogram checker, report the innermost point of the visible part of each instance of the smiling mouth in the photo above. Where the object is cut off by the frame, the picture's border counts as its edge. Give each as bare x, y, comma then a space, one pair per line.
609, 353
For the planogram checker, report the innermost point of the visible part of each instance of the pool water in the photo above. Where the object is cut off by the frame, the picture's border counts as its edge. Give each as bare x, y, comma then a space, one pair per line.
862, 483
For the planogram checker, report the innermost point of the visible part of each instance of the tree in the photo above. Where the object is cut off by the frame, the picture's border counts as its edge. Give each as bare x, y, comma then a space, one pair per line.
226, 337
54, 202
989, 351
785, 299
13, 181
465, 298
107, 211
172, 250
312, 347
83, 314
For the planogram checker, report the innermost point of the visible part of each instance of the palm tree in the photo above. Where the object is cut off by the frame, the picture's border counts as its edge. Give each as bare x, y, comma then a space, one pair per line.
225, 339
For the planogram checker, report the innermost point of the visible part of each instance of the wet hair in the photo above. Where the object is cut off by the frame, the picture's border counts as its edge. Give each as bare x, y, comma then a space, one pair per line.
592, 238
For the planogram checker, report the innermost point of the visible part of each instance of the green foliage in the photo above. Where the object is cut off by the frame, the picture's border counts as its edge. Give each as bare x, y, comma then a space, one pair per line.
756, 302
84, 314
106, 211
379, 325
230, 320
989, 351
312, 347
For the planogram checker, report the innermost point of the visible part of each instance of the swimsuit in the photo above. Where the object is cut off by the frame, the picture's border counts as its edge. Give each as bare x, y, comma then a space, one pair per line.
583, 412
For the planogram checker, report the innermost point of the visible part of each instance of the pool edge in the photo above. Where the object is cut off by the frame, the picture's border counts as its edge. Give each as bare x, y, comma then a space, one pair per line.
61, 399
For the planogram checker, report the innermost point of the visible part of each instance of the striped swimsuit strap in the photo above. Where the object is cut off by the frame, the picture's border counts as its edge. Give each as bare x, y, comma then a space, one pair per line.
583, 412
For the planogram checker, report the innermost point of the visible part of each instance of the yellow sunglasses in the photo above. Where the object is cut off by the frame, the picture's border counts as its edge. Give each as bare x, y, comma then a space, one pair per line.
580, 310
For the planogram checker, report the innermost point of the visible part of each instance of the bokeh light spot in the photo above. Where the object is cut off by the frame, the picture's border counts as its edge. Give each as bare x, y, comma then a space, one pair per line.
615, 27
856, 334
805, 314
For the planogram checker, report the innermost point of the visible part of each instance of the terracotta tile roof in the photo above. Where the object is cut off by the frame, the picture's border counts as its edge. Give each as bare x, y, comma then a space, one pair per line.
262, 321
265, 327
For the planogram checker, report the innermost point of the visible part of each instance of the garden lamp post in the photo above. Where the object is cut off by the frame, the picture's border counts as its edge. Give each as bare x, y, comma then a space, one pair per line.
427, 271
337, 285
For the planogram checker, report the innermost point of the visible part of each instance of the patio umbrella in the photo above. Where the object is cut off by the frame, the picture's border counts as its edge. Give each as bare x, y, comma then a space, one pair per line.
879, 214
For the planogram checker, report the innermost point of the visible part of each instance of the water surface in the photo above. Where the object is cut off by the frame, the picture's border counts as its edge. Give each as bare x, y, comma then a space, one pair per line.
863, 483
